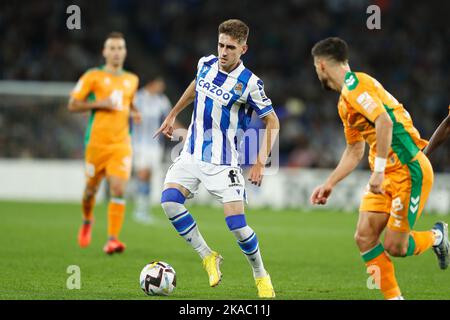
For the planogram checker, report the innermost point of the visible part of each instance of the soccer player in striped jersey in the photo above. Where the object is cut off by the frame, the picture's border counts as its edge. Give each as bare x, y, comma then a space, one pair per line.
439, 136
225, 93
401, 178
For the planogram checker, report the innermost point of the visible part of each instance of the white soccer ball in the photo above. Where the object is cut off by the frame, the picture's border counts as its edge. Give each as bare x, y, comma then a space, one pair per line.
158, 278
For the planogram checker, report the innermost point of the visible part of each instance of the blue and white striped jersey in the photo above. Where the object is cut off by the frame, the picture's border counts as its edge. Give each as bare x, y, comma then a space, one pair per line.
223, 107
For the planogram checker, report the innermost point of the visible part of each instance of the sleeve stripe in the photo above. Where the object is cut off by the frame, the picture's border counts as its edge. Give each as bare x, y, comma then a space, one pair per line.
264, 112
211, 60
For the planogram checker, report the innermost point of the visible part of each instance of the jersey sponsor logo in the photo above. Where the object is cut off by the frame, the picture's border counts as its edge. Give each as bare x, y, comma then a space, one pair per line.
213, 91
107, 81
367, 102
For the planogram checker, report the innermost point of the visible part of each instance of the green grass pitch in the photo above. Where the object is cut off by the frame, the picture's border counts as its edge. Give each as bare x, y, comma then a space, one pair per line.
310, 255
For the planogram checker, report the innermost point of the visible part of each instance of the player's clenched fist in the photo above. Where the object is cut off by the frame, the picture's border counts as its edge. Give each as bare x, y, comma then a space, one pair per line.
105, 104
136, 116
375, 182
166, 127
321, 194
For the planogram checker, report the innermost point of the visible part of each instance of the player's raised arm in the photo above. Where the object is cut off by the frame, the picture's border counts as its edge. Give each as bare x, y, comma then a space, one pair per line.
272, 127
441, 134
186, 99
350, 159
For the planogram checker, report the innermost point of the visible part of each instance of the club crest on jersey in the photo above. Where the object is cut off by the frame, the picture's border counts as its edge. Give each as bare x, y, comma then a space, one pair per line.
238, 88
127, 83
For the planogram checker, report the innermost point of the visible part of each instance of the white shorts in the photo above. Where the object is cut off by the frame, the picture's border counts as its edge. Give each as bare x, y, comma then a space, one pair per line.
147, 157
225, 183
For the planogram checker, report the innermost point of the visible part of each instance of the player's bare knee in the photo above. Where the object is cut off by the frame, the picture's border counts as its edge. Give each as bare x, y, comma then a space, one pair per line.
396, 249
359, 239
117, 190
365, 241
233, 208
143, 174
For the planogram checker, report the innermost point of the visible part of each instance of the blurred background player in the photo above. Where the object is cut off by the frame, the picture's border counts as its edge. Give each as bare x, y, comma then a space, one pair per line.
107, 93
402, 176
225, 93
439, 136
154, 106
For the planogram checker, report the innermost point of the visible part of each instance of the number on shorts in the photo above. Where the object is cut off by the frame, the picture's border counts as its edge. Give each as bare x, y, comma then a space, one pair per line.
397, 204
233, 175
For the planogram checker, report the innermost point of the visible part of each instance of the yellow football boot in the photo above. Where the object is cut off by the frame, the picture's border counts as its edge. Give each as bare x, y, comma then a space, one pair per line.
265, 288
211, 264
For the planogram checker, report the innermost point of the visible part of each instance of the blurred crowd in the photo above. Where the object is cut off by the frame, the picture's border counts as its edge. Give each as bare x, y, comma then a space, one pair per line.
409, 56
40, 129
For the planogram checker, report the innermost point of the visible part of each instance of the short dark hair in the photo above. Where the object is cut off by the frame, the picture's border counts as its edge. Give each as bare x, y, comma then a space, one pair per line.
333, 47
115, 35
152, 78
235, 28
